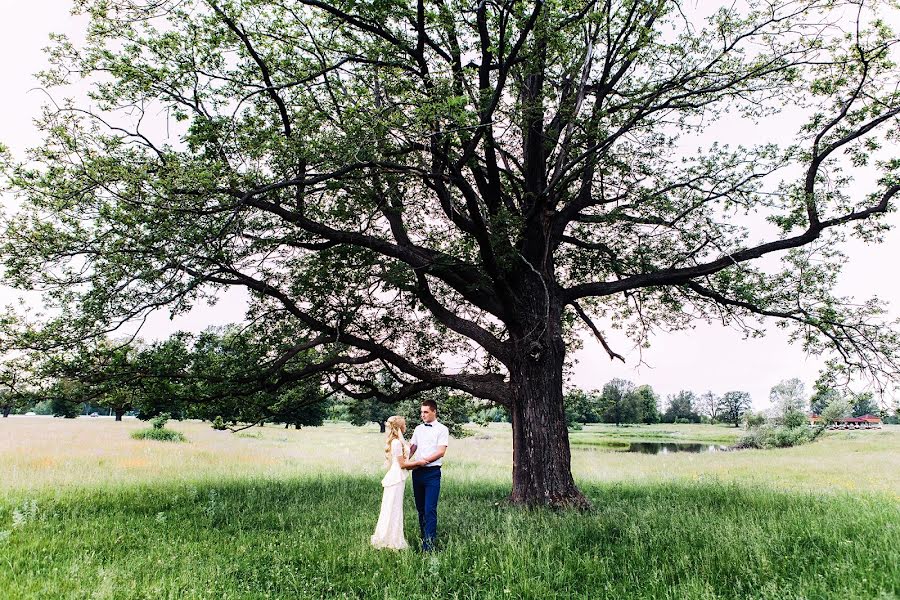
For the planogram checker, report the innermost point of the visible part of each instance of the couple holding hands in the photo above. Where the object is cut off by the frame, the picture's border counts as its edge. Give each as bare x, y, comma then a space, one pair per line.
428, 444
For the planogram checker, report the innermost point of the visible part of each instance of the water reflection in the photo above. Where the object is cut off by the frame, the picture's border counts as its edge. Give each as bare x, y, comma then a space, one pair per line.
670, 447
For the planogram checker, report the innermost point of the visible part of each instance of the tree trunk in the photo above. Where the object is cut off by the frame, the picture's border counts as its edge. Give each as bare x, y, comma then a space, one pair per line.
383, 426
7, 408
542, 470
119, 413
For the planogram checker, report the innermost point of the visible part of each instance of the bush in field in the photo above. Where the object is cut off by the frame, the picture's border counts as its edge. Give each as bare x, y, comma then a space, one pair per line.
160, 435
776, 436
794, 418
218, 423
160, 420
753, 419
491, 414
158, 431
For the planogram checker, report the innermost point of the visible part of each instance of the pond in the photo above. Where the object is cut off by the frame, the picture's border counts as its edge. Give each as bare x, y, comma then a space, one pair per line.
671, 447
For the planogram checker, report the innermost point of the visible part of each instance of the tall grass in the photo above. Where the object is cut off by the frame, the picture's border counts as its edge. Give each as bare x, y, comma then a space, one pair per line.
87, 512
308, 538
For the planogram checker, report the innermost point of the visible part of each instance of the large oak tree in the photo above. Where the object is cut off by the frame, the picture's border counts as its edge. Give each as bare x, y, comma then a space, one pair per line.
398, 183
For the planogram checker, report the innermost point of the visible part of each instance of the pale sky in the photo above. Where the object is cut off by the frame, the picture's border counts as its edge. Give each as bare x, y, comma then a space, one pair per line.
708, 357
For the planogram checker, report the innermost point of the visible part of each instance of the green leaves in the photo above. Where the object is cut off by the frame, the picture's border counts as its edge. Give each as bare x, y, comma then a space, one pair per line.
345, 161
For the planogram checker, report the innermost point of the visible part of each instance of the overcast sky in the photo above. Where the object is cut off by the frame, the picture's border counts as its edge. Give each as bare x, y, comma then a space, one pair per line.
708, 357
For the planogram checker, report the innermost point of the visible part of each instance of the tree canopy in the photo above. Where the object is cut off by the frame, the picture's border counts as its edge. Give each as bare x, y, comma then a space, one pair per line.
399, 182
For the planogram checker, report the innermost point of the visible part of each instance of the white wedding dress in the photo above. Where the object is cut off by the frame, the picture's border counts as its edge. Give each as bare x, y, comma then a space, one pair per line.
389, 530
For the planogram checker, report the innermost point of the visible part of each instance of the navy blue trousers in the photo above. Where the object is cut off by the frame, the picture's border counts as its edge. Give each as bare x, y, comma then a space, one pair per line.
427, 489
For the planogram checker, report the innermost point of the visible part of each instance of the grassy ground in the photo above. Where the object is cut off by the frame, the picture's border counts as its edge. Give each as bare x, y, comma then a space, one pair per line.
87, 512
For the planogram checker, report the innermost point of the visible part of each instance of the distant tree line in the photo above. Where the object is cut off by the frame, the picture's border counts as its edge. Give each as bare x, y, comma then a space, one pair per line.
622, 402
214, 376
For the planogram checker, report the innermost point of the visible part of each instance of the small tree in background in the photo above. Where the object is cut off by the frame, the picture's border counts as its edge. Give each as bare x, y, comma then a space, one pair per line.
733, 406
681, 408
838, 408
370, 410
453, 410
17, 388
66, 398
788, 400
649, 403
864, 404
823, 394
582, 407
620, 402
753, 419
709, 404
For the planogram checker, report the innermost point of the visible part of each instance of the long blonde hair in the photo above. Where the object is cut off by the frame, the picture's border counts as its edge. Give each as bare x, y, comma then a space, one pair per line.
394, 432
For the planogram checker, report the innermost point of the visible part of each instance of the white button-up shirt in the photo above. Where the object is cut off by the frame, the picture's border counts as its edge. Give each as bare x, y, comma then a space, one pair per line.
427, 439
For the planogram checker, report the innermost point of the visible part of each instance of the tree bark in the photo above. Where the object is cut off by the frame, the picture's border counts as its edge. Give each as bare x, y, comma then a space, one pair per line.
542, 465
383, 426
7, 408
119, 412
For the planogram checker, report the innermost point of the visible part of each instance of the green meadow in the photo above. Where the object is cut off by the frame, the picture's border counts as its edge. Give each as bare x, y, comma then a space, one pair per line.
88, 512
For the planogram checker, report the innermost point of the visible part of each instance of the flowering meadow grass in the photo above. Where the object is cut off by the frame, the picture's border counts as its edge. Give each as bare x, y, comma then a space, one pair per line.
88, 512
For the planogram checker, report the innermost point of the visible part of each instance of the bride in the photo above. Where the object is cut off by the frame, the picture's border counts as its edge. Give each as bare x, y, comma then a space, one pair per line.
389, 530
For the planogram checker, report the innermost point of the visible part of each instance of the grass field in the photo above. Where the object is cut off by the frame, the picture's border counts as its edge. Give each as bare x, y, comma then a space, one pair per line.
87, 512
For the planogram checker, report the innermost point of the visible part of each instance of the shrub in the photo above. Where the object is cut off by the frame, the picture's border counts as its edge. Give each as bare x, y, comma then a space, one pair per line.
159, 434
769, 436
794, 418
160, 420
218, 423
158, 431
44, 407
752, 419
492, 414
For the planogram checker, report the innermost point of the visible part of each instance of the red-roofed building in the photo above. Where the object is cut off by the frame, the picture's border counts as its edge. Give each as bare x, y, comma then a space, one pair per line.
863, 422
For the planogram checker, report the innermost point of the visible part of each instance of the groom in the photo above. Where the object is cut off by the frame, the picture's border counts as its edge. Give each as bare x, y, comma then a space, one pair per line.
429, 440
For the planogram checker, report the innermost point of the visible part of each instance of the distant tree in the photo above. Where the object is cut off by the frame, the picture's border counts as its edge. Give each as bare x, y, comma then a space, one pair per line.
300, 405
794, 418
787, 396
864, 404
66, 398
823, 395
7, 403
681, 406
582, 407
110, 374
649, 403
167, 383
453, 410
753, 419
43, 407
17, 388
733, 406
370, 410
838, 408
891, 414
709, 405
620, 403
